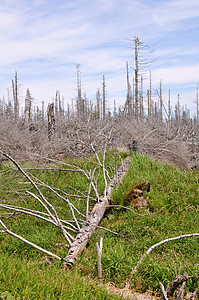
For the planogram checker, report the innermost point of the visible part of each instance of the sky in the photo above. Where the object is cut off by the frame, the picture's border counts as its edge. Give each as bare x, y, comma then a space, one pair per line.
44, 41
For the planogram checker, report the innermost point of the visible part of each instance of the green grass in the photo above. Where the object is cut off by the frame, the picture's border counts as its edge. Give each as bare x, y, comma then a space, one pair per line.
28, 279
174, 211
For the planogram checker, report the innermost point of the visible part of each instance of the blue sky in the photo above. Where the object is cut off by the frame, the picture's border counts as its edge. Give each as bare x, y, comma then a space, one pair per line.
45, 39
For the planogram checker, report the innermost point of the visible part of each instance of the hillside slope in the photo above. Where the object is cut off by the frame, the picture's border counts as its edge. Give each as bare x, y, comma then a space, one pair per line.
173, 211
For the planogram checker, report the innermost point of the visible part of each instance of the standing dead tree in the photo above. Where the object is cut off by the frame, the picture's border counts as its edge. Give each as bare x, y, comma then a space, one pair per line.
128, 105
15, 96
136, 40
140, 64
51, 121
27, 108
104, 98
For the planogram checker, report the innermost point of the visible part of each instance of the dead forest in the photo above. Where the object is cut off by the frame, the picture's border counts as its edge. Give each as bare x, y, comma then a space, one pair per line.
144, 122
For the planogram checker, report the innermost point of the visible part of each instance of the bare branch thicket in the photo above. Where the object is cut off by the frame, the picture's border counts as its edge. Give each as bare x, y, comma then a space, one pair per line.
59, 133
80, 138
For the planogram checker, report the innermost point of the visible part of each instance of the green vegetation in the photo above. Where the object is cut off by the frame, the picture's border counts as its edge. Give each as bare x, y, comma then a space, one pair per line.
174, 211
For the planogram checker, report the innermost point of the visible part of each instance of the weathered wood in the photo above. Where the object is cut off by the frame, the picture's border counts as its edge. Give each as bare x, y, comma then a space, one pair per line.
157, 245
51, 121
27, 108
95, 216
99, 265
179, 280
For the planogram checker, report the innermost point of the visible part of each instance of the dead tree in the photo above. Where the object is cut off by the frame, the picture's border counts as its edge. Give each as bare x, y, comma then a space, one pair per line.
57, 98
42, 113
140, 64
15, 96
161, 103
95, 217
27, 108
136, 41
98, 105
178, 111
197, 104
51, 121
141, 100
92, 219
129, 94
169, 112
150, 100
80, 100
104, 97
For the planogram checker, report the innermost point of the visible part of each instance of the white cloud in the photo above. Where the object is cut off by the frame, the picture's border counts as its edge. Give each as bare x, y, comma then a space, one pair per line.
44, 40
183, 74
168, 13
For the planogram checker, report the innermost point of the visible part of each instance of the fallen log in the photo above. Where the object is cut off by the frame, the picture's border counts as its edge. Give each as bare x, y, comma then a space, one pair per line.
97, 213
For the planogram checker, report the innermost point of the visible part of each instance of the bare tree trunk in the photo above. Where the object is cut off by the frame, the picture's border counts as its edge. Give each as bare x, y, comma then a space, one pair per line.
150, 101
98, 104
56, 105
169, 112
156, 112
42, 113
177, 110
51, 121
27, 108
129, 94
133, 98
15, 97
136, 40
104, 98
79, 94
197, 104
161, 104
141, 100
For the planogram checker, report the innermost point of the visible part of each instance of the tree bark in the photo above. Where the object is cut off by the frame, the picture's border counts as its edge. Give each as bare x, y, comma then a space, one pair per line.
174, 285
95, 217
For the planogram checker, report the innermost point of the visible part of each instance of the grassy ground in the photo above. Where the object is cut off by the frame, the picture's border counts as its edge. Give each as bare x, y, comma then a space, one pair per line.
174, 210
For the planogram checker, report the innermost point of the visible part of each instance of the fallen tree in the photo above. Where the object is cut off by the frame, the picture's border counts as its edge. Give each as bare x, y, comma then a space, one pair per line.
85, 228
96, 215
